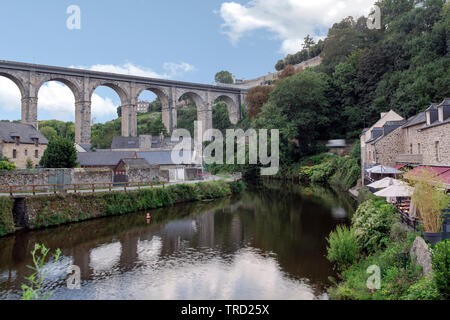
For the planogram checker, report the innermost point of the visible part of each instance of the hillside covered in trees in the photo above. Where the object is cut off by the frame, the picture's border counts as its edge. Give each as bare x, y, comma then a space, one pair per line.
404, 67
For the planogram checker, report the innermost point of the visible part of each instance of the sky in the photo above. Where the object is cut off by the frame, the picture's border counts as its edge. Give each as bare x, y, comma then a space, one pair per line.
188, 40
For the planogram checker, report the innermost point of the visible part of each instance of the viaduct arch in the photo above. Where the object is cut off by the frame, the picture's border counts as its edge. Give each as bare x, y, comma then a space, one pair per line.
29, 78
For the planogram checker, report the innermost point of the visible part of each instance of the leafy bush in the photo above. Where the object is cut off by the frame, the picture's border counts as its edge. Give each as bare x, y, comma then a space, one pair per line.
424, 289
396, 280
7, 165
440, 258
348, 173
372, 222
305, 173
323, 172
343, 247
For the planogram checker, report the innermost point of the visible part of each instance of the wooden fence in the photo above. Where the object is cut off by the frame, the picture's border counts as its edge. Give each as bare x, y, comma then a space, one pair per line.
77, 188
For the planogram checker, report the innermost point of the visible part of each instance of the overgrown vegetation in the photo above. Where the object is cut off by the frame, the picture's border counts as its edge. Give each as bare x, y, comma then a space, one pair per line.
6, 165
384, 242
6, 216
343, 247
441, 267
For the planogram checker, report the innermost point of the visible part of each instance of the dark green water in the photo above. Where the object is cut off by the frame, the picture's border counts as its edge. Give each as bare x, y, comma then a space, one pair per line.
268, 243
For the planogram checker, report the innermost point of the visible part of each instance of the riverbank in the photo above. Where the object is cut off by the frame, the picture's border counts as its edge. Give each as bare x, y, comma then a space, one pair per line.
341, 172
51, 210
377, 241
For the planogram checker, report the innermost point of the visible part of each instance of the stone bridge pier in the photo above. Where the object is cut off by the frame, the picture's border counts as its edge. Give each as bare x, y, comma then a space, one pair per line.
29, 78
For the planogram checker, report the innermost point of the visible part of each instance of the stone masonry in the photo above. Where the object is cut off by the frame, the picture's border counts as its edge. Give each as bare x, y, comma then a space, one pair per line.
29, 78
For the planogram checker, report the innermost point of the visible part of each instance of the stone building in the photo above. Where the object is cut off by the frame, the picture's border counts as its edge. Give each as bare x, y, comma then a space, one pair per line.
424, 139
21, 142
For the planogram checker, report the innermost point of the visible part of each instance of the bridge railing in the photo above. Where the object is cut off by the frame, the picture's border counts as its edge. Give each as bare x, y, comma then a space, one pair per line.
78, 187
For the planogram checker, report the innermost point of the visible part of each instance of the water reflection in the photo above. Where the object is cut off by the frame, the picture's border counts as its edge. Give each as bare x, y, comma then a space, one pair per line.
268, 243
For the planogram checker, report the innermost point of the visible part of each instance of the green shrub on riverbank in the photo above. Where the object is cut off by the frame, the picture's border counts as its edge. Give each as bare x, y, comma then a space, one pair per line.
343, 247
6, 216
373, 222
341, 172
441, 267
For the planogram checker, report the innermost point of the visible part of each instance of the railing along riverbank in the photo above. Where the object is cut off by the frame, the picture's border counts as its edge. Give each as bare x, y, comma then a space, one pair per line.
78, 188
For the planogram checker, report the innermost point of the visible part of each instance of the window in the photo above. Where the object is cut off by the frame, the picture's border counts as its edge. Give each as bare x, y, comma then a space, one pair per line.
410, 149
17, 140
436, 146
418, 149
14, 154
36, 154
36, 141
26, 152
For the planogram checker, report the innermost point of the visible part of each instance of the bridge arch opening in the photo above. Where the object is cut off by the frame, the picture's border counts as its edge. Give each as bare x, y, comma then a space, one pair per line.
104, 118
153, 109
56, 101
11, 94
191, 107
231, 106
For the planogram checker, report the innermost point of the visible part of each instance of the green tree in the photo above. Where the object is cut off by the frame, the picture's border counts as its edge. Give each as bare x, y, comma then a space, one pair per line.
224, 77
308, 43
60, 153
49, 132
186, 117
119, 112
156, 126
299, 108
221, 119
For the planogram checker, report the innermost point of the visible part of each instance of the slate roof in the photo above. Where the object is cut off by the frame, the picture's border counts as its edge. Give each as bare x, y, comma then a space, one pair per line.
136, 162
125, 143
446, 102
163, 157
390, 126
25, 131
415, 120
111, 158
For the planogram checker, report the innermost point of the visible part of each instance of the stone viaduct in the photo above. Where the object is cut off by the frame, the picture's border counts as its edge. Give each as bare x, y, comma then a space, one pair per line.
30, 78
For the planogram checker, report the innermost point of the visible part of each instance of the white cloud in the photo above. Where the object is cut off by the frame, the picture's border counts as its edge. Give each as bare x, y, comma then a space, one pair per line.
175, 69
58, 102
289, 20
172, 69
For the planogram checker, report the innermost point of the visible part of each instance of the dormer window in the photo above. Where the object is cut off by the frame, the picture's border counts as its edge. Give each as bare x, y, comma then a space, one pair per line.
35, 141
17, 140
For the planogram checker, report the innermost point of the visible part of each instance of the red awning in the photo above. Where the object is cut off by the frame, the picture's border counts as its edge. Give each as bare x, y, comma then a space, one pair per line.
435, 170
445, 177
440, 174
399, 166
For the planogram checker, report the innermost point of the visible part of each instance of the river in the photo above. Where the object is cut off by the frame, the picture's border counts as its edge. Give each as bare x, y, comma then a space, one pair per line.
268, 243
